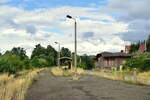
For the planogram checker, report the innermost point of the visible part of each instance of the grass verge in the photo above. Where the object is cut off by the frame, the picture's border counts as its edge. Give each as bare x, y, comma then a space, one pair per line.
14, 87
61, 72
140, 78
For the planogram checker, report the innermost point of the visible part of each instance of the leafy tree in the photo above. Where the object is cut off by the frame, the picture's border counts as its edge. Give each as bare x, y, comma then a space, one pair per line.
148, 44
86, 62
134, 47
51, 55
139, 61
11, 63
19, 52
38, 51
39, 62
65, 52
41, 55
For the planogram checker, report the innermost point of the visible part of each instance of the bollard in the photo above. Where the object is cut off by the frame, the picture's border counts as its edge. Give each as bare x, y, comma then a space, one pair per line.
135, 74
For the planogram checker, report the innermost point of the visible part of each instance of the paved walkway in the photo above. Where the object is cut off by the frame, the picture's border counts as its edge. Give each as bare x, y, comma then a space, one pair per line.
49, 87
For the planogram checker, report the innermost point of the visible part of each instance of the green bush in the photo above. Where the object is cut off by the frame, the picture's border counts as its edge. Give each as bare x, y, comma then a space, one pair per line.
10, 63
38, 62
81, 65
139, 61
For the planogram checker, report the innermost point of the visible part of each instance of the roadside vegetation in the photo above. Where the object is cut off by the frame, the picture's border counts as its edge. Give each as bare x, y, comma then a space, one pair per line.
56, 71
142, 78
141, 61
135, 70
14, 87
18, 71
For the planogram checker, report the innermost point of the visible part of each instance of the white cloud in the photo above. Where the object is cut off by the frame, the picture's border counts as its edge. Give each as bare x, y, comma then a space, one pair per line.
2, 1
45, 26
135, 13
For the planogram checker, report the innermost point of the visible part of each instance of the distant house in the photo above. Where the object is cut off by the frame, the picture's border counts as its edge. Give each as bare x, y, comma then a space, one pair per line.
109, 60
142, 47
127, 48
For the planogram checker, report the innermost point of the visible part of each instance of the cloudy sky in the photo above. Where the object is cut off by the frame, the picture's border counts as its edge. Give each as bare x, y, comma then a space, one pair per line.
103, 25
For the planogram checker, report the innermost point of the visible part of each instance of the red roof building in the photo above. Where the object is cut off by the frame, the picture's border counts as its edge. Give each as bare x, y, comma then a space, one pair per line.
142, 47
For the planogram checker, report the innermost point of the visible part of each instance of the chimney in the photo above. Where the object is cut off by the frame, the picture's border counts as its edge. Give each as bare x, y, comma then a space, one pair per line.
121, 51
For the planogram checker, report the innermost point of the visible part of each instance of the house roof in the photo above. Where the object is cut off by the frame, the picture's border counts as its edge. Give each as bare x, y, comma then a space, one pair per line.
142, 47
118, 54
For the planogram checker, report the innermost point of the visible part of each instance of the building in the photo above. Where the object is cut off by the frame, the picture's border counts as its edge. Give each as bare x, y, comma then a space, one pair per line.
109, 60
127, 48
142, 47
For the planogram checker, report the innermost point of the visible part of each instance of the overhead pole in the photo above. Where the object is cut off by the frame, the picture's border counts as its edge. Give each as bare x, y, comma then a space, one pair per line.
58, 58
75, 43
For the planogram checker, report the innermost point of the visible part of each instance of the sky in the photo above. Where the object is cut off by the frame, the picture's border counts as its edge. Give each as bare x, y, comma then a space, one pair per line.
102, 25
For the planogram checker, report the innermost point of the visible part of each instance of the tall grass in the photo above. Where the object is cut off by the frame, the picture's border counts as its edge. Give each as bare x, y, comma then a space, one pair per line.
61, 72
127, 76
14, 87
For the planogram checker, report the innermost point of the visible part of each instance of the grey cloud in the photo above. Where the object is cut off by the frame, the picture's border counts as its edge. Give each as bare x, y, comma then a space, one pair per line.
30, 29
135, 36
21, 26
140, 25
130, 9
136, 14
138, 31
88, 35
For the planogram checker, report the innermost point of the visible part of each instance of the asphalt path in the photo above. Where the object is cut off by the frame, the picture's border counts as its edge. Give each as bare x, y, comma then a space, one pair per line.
49, 87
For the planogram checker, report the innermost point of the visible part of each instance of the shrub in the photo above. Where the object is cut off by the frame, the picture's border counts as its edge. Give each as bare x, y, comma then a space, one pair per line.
139, 62
38, 62
10, 63
81, 65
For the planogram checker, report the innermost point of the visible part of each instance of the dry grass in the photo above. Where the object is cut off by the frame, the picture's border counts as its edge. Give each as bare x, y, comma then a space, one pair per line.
61, 72
127, 76
144, 75
14, 88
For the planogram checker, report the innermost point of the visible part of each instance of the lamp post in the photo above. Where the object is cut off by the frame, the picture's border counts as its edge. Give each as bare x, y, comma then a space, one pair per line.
75, 46
58, 62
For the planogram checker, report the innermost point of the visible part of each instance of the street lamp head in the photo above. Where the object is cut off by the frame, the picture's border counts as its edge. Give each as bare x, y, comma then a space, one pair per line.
68, 16
56, 42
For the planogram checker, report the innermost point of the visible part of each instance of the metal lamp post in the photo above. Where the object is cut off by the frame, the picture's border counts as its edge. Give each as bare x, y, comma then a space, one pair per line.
75, 46
58, 62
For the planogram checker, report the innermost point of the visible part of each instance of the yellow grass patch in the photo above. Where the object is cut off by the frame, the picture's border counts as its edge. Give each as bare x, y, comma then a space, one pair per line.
61, 72
144, 75
14, 88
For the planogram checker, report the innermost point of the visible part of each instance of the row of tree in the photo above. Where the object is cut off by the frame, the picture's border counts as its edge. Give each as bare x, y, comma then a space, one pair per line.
135, 46
16, 59
140, 60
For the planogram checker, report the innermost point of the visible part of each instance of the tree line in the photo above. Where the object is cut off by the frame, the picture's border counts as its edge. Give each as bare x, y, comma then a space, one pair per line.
16, 59
140, 60
135, 46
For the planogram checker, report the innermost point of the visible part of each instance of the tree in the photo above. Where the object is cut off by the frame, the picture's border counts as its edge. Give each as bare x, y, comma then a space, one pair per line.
65, 52
140, 61
135, 47
0, 54
38, 62
86, 62
11, 63
19, 52
40, 54
38, 51
51, 55
148, 44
